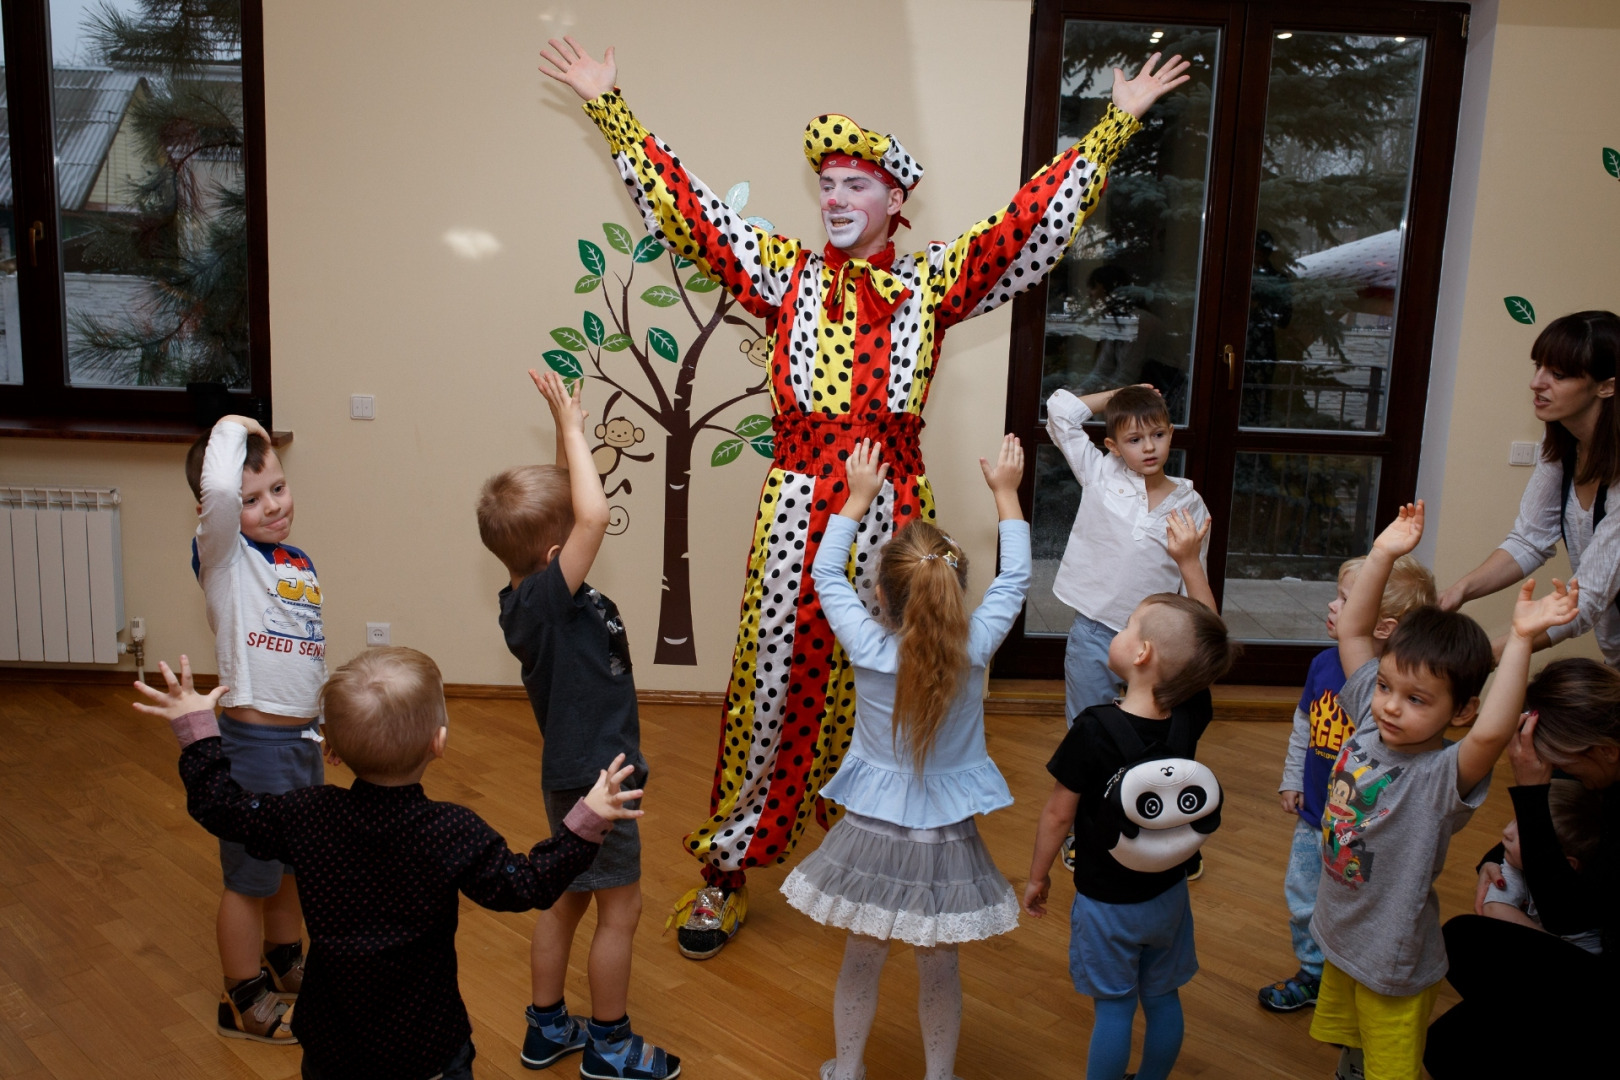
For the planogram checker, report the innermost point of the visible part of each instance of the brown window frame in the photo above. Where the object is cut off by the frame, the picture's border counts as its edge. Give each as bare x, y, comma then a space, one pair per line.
45, 403
1239, 115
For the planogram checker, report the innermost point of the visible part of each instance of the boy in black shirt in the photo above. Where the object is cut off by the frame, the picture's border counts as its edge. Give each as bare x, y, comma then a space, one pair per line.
1131, 931
380, 864
546, 523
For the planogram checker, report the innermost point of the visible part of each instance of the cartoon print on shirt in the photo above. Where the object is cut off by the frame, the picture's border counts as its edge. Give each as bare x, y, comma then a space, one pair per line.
618, 640
295, 606
1350, 808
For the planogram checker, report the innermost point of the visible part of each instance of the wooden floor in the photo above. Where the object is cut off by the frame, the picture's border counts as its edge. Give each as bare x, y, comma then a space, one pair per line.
108, 891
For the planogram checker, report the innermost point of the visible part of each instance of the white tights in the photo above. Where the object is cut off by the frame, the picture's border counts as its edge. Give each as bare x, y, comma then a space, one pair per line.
939, 1006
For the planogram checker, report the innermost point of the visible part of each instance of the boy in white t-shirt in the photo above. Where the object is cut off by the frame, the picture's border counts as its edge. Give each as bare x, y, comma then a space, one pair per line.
264, 607
1138, 532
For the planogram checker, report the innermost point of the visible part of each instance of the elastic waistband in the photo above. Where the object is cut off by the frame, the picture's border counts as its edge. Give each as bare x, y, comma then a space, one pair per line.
266, 733
945, 834
815, 444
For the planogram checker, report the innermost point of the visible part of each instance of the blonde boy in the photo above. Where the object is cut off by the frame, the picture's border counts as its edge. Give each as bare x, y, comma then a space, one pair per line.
546, 524
1320, 727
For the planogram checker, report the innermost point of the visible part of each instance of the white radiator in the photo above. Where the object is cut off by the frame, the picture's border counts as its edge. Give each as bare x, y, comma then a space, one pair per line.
61, 575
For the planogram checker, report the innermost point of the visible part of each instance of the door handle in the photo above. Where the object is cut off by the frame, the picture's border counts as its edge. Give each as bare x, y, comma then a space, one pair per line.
36, 232
1229, 358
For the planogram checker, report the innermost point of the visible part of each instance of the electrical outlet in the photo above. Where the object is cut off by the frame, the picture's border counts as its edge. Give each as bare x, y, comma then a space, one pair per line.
362, 407
1523, 453
377, 633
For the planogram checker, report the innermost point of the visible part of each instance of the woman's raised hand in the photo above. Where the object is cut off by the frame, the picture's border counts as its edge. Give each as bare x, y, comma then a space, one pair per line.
1137, 95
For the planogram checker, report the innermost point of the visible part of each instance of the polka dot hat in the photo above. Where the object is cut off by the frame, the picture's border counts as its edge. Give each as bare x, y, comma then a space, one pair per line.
831, 134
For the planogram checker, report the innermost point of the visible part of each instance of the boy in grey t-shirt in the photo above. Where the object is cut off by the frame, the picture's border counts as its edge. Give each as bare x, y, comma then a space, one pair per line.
1398, 792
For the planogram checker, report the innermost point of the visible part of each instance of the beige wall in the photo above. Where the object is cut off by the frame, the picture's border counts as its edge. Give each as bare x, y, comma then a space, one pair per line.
390, 126
1544, 213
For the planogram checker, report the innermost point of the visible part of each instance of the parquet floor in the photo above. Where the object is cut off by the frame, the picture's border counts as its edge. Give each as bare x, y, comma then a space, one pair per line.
108, 890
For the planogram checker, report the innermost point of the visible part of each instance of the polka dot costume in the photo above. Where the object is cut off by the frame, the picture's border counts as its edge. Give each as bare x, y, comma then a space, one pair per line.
855, 344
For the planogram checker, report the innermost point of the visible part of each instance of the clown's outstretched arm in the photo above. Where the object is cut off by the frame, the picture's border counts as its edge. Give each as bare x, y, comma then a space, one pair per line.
1019, 245
680, 211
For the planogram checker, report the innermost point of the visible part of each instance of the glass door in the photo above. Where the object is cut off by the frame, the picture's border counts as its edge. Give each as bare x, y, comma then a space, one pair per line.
1267, 255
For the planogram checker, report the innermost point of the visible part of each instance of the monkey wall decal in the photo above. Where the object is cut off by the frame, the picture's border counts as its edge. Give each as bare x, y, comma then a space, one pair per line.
618, 435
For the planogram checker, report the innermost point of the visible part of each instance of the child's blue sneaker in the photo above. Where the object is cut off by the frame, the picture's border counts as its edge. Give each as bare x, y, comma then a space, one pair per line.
551, 1035
616, 1053
1294, 992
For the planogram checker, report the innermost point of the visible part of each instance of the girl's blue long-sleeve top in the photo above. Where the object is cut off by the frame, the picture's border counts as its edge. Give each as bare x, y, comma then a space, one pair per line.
878, 778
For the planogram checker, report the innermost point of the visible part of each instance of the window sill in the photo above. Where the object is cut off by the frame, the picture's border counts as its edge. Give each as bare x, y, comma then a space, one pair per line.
143, 431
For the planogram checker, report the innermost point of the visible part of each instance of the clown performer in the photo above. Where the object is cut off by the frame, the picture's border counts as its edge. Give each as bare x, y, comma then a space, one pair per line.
855, 333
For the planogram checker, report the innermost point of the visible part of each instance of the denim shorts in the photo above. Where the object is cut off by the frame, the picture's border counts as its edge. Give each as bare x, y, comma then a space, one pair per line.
270, 760
619, 861
1087, 679
1121, 950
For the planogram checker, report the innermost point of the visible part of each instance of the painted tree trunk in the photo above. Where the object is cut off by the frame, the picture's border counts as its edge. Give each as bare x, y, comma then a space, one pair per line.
675, 641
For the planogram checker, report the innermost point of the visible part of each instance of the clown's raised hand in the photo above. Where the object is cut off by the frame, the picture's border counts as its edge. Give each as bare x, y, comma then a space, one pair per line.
571, 64
1137, 95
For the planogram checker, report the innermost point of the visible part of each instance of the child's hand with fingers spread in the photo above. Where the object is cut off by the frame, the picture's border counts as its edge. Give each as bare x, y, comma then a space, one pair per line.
606, 800
866, 472
1532, 617
180, 697
1008, 471
1401, 536
1182, 539
567, 410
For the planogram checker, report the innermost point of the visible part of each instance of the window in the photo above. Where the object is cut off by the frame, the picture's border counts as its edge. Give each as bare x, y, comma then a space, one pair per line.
132, 241
1268, 256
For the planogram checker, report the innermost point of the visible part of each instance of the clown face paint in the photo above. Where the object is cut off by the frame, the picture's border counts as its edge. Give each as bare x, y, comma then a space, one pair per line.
855, 210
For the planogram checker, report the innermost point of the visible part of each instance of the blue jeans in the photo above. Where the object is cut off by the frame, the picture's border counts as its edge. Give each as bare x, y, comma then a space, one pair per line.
1087, 680
1299, 886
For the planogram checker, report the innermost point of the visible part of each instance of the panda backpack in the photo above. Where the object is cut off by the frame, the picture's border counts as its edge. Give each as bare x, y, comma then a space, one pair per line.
1158, 808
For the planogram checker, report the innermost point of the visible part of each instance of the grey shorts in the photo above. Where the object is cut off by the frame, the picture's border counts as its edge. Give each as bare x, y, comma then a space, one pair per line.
619, 861
269, 760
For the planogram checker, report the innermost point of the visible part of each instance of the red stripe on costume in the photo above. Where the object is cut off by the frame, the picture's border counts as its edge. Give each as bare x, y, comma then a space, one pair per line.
816, 444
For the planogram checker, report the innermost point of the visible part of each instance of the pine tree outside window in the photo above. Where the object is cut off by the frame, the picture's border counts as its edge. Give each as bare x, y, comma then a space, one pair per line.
132, 250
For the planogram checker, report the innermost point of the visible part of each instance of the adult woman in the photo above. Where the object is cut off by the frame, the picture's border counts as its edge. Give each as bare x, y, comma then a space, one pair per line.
1531, 1000
1575, 481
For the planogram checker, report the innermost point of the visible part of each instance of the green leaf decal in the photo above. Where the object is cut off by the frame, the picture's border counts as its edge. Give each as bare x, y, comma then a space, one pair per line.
618, 236
681, 262
661, 296
647, 250
699, 283
616, 342
1611, 161
588, 283
753, 426
592, 257
764, 446
594, 330
726, 452
1521, 309
568, 338
564, 364
664, 344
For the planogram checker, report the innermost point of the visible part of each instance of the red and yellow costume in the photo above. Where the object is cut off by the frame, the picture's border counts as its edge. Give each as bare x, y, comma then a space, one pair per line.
854, 347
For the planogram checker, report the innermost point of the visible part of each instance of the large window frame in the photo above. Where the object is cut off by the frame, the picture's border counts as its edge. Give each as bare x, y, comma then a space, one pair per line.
1230, 212
46, 403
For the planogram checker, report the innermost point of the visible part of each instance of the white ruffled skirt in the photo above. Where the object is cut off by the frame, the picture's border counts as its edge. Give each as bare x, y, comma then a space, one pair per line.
925, 887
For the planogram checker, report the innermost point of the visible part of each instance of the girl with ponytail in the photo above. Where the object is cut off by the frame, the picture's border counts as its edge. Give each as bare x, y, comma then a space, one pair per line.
905, 861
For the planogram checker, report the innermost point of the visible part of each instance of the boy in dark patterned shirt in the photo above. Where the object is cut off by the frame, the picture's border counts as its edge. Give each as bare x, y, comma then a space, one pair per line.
380, 864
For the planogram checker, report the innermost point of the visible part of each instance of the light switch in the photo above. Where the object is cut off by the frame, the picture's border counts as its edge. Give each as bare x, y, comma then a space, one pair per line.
1523, 453
362, 407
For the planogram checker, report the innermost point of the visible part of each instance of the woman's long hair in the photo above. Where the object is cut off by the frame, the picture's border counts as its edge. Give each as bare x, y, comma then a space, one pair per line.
923, 574
1583, 343
1579, 705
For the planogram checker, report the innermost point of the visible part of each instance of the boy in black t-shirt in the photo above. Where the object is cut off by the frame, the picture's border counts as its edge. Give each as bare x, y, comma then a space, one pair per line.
546, 524
1131, 932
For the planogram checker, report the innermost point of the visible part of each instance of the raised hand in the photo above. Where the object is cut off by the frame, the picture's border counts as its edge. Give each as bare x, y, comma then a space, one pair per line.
566, 409
1183, 539
252, 425
1532, 617
1008, 471
571, 64
606, 799
1528, 767
1401, 536
865, 471
1137, 95
180, 697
